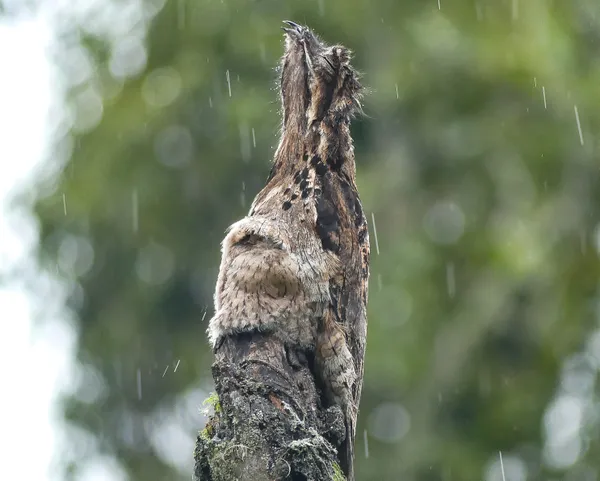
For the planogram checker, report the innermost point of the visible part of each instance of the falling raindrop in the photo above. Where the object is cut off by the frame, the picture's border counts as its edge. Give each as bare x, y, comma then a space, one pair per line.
544, 95
64, 204
253, 138
134, 209
508, 467
165, 371
228, 82
439, 5
177, 365
366, 441
578, 124
139, 384
375, 233
210, 102
502, 466
450, 280
397, 94
535, 82
242, 199
204, 315
245, 142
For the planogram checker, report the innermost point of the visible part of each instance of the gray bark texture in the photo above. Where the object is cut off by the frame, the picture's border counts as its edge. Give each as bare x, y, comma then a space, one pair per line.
269, 423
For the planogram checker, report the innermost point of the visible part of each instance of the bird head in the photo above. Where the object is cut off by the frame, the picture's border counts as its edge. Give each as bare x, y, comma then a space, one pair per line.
317, 80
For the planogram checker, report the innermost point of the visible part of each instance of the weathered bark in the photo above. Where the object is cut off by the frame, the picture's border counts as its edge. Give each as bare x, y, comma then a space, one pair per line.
269, 423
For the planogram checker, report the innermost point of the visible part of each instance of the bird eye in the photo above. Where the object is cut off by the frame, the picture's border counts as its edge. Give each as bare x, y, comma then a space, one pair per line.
246, 239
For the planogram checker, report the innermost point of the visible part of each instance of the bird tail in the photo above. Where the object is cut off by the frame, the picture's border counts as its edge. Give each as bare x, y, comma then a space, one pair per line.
346, 454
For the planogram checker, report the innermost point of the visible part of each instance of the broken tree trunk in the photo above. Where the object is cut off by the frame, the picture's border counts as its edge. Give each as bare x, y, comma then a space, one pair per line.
268, 423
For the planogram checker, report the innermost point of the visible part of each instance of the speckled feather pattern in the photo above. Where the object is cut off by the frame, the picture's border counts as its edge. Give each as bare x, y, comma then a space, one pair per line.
298, 265
271, 279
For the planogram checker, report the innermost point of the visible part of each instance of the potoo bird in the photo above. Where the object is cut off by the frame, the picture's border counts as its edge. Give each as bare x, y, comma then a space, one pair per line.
297, 265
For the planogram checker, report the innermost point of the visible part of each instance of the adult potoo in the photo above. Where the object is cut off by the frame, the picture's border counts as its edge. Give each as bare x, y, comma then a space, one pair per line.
298, 265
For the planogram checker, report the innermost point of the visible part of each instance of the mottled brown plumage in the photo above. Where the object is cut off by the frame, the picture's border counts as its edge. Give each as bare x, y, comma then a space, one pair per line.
298, 264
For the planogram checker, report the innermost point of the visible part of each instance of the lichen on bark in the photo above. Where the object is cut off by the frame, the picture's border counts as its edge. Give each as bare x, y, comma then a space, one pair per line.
271, 424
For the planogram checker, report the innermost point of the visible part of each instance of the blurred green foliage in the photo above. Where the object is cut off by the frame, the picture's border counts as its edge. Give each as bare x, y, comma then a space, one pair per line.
478, 162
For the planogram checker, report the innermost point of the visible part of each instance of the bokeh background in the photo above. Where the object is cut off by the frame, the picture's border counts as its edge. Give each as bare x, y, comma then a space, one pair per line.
133, 132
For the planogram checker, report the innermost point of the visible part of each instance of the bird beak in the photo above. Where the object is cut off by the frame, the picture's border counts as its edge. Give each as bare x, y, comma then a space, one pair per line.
294, 31
302, 37
292, 27
292, 24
